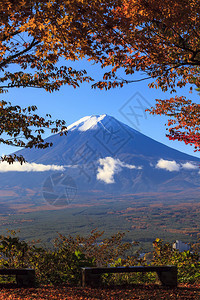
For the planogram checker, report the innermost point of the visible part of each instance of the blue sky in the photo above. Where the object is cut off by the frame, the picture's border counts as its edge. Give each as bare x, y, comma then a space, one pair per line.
72, 104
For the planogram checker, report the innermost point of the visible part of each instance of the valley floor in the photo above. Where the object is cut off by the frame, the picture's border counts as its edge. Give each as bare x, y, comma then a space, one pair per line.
139, 292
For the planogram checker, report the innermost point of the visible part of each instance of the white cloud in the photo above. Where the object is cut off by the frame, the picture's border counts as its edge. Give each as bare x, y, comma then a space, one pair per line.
189, 166
28, 167
172, 165
109, 167
169, 165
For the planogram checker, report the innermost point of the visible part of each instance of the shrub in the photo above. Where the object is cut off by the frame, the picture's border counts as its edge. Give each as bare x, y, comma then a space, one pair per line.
63, 263
187, 262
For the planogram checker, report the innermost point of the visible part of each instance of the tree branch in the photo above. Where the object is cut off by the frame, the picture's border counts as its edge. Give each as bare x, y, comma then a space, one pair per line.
10, 58
10, 36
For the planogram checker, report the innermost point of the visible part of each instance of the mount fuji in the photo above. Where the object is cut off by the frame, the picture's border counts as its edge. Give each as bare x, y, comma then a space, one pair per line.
99, 157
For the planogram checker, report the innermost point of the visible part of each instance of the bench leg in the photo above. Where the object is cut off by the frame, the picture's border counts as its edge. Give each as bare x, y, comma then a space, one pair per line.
26, 280
89, 279
168, 278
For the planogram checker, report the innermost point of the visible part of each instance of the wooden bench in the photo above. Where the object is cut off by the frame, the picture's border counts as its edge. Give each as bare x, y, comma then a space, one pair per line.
166, 274
24, 277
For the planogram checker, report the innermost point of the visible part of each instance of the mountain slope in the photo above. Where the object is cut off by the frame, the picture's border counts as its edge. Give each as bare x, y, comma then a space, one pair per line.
102, 157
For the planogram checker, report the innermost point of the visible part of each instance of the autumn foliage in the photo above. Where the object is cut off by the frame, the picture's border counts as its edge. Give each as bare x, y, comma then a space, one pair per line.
58, 270
37, 39
160, 39
157, 39
184, 119
61, 264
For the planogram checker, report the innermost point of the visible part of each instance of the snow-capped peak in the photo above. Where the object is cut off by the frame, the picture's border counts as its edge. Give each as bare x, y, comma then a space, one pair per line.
85, 123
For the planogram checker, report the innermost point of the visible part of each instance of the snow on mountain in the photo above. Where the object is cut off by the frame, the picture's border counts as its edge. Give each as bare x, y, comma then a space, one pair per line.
85, 123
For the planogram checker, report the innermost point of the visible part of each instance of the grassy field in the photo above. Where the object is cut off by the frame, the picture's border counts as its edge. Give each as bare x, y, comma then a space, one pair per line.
142, 220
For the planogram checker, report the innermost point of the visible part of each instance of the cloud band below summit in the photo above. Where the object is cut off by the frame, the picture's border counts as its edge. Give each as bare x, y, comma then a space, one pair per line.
28, 167
109, 167
172, 165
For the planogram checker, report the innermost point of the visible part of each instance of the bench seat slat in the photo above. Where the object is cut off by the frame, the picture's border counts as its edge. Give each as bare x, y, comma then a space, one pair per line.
16, 271
92, 275
101, 270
